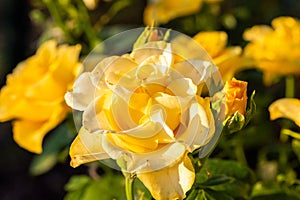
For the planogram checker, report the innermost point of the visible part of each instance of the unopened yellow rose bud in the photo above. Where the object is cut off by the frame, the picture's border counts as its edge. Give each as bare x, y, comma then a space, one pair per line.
236, 96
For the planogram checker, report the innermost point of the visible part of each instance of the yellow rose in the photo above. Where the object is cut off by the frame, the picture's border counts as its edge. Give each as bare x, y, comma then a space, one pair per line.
287, 108
228, 59
143, 108
162, 11
34, 93
236, 96
275, 50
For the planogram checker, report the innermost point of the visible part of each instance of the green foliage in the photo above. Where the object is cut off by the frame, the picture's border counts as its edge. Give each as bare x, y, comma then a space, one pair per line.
296, 147
140, 191
107, 187
222, 178
272, 190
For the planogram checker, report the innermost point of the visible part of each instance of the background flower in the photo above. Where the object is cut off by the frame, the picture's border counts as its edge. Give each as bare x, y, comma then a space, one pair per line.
34, 93
286, 108
162, 11
227, 59
275, 50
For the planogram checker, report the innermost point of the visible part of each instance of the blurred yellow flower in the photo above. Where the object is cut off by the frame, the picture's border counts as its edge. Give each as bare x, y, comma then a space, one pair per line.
143, 108
286, 108
275, 50
236, 96
162, 11
34, 93
91, 4
227, 59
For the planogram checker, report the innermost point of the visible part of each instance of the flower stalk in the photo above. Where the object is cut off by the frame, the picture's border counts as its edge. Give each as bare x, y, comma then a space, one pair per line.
289, 86
129, 178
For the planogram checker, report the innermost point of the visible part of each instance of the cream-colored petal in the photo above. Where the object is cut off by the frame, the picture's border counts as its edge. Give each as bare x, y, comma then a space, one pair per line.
170, 182
151, 127
199, 129
98, 115
197, 70
165, 156
142, 53
182, 87
30, 134
120, 108
87, 147
286, 108
83, 93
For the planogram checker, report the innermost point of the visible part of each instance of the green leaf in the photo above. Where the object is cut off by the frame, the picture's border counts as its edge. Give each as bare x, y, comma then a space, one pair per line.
218, 195
230, 168
77, 182
192, 194
142, 39
81, 187
296, 147
251, 109
225, 178
271, 190
234, 123
217, 180
141, 192
110, 186
55, 142
76, 187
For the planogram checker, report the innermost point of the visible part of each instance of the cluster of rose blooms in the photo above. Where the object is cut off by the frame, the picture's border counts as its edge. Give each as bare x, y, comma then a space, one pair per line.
145, 107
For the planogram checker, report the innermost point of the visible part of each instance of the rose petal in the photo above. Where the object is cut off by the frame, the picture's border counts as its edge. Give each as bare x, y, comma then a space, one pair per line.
182, 87
171, 182
83, 93
148, 161
200, 127
197, 70
98, 115
212, 41
286, 108
87, 147
151, 49
15, 105
29, 135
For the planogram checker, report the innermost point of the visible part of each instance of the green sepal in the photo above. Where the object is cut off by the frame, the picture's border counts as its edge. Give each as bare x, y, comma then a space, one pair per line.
234, 123
251, 109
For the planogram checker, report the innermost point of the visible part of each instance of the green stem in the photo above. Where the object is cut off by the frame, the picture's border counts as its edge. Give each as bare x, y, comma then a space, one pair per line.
240, 154
53, 10
289, 86
289, 93
128, 186
112, 11
290, 133
88, 28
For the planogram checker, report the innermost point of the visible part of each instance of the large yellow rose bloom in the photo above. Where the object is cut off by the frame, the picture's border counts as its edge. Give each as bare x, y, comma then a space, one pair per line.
275, 50
34, 93
227, 59
144, 108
